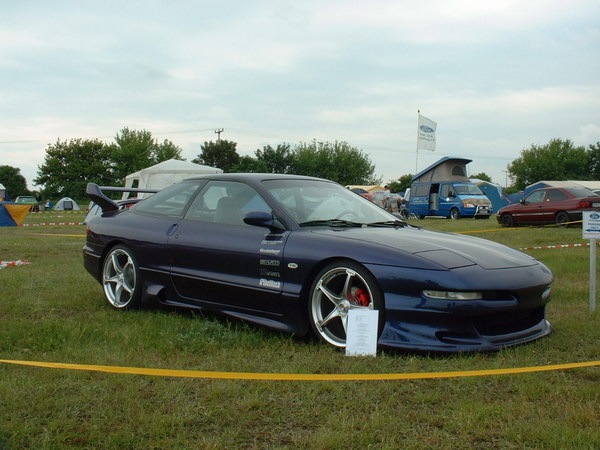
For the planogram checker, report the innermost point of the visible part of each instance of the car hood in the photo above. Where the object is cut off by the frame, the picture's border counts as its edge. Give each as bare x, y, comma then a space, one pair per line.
475, 199
446, 249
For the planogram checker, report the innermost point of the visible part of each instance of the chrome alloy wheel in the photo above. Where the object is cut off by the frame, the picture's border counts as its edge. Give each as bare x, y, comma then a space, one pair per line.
337, 291
120, 277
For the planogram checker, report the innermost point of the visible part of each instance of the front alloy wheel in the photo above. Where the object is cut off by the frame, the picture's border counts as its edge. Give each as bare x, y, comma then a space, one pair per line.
120, 278
339, 288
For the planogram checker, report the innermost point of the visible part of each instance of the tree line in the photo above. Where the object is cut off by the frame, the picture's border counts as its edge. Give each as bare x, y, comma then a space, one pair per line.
69, 165
337, 161
557, 160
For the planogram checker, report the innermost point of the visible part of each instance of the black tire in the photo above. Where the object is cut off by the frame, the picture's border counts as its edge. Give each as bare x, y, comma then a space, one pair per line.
121, 278
454, 214
562, 218
338, 288
507, 221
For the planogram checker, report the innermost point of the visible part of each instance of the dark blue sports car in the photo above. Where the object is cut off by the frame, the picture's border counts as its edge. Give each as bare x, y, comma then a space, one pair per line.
297, 253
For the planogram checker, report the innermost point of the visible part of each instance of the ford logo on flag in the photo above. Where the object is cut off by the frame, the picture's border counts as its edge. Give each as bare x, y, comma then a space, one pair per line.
595, 216
426, 129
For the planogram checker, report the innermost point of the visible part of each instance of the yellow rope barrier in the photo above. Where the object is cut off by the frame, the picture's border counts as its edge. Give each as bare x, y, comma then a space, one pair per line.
299, 376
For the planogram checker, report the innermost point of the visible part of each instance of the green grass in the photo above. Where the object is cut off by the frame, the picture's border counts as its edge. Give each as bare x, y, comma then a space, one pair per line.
52, 310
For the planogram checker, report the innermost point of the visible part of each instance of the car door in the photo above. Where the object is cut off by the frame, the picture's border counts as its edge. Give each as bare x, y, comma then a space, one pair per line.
532, 210
217, 259
156, 218
553, 202
419, 199
447, 199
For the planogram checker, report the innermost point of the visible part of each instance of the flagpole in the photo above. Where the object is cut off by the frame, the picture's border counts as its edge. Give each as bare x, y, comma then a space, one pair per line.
417, 159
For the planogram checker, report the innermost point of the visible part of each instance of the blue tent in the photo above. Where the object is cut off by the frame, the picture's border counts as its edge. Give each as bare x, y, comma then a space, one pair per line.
494, 192
12, 214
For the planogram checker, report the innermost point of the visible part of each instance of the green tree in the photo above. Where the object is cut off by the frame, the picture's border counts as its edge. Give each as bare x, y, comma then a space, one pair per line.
277, 160
401, 184
137, 149
221, 154
69, 166
132, 152
482, 176
336, 161
248, 164
593, 164
557, 160
165, 151
13, 181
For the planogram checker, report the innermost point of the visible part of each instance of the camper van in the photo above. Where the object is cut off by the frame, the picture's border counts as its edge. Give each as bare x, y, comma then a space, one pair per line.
444, 190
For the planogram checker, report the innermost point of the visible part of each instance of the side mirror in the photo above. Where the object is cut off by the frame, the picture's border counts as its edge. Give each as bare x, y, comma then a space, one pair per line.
522, 201
263, 219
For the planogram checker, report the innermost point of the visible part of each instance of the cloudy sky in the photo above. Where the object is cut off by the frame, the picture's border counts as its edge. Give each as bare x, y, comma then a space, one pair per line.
497, 76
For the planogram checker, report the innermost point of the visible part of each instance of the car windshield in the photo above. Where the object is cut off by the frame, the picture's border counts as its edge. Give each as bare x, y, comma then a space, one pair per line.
467, 189
310, 202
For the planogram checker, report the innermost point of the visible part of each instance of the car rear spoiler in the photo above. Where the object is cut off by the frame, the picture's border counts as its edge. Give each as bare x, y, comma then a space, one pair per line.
96, 194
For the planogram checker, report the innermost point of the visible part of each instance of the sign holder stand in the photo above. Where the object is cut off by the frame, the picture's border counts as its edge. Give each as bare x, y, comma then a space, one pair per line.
591, 230
592, 275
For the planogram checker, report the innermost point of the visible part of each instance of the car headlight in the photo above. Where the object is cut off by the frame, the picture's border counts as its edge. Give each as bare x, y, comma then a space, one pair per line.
468, 205
450, 295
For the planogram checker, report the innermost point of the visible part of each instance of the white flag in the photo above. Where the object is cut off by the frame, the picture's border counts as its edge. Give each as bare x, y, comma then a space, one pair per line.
426, 134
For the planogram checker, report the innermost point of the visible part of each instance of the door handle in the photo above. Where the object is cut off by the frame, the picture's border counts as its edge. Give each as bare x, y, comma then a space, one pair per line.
172, 229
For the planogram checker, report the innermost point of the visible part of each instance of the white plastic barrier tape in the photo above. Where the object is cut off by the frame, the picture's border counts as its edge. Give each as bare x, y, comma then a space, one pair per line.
19, 262
43, 224
557, 246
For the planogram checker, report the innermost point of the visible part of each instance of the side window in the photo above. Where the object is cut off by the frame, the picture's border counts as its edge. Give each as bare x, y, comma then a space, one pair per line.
535, 197
458, 171
421, 190
170, 202
225, 202
445, 191
554, 195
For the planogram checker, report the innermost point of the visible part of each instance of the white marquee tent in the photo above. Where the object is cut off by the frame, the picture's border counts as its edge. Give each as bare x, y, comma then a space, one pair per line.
165, 174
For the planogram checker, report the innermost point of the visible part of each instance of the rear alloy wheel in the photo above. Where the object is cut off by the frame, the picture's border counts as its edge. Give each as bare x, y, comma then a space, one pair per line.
507, 221
121, 278
562, 218
454, 214
339, 288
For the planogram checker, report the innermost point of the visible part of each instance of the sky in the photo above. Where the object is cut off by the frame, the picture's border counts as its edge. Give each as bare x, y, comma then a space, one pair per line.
497, 76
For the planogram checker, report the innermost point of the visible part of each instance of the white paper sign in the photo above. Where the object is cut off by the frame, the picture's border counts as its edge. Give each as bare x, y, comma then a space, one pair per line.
361, 335
591, 225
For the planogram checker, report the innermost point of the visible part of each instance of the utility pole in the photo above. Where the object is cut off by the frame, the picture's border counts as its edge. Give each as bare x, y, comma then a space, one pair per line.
218, 132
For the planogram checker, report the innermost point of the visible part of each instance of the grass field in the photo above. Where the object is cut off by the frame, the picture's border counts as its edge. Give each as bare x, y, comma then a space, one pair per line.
52, 310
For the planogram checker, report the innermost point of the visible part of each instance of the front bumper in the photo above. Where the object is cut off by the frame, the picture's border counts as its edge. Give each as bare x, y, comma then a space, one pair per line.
512, 311
466, 334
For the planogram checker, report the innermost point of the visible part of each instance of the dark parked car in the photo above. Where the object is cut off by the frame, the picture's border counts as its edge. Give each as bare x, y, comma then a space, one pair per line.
549, 205
297, 254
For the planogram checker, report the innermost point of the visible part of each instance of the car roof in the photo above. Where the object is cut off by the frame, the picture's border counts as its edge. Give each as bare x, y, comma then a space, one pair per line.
254, 177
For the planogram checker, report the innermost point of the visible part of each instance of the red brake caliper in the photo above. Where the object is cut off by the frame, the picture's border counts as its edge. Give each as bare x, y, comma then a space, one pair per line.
361, 296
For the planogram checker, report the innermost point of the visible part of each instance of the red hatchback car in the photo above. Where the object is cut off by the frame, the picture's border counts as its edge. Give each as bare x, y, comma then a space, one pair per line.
549, 205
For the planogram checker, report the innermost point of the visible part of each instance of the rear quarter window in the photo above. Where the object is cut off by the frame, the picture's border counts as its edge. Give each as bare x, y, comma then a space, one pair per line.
170, 202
